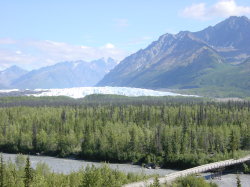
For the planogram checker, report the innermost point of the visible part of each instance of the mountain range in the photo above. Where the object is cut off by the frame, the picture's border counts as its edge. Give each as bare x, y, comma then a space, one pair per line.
214, 62
61, 75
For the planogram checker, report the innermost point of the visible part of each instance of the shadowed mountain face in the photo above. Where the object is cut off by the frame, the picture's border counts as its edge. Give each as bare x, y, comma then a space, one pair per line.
61, 75
188, 60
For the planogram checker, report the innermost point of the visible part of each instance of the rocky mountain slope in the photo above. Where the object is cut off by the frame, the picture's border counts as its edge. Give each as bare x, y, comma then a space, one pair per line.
191, 61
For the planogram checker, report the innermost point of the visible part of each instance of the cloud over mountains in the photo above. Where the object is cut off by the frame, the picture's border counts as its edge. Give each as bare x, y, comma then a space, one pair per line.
223, 8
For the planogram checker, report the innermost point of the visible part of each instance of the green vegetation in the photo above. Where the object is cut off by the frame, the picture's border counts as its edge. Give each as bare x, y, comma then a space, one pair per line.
156, 182
28, 173
246, 168
170, 132
95, 99
22, 175
224, 81
192, 181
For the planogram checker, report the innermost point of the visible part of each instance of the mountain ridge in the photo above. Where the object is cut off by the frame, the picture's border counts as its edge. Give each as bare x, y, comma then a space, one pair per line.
189, 60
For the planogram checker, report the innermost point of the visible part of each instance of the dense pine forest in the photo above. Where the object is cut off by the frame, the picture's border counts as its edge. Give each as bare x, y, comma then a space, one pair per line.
170, 132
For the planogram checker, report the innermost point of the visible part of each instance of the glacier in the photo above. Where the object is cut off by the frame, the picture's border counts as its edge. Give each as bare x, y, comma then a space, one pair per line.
80, 92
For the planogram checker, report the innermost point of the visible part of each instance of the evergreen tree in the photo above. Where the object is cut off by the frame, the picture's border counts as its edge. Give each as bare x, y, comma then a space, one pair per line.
246, 168
91, 177
28, 173
233, 142
1, 172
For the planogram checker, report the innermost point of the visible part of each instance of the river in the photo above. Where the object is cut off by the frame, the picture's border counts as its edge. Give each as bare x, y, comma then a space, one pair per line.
61, 165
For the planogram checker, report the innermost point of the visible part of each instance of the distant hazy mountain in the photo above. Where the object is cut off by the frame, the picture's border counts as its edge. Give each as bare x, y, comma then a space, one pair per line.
65, 75
10, 74
212, 59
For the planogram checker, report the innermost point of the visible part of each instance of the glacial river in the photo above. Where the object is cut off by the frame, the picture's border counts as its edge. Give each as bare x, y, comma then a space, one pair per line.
61, 165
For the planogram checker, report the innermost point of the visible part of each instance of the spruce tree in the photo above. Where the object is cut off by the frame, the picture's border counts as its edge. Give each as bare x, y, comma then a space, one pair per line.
233, 143
1, 172
28, 173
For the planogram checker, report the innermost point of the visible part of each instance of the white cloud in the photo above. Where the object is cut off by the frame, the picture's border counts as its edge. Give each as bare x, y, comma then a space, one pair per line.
195, 11
35, 54
223, 8
19, 52
109, 46
12, 57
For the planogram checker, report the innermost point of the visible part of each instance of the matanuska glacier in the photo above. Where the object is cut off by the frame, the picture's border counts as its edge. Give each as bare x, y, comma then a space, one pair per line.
81, 92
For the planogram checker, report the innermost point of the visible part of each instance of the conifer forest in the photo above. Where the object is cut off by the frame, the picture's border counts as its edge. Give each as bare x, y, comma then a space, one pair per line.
169, 132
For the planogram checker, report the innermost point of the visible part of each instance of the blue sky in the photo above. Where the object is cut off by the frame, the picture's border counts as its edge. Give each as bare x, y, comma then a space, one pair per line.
40, 33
